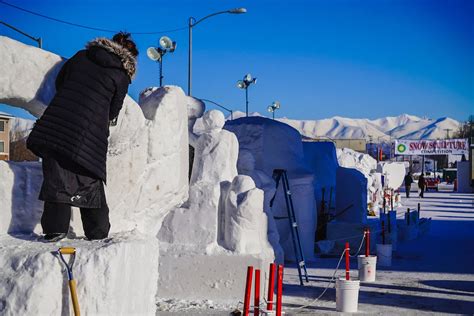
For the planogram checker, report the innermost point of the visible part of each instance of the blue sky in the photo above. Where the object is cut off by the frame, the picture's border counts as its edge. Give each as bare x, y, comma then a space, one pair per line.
363, 59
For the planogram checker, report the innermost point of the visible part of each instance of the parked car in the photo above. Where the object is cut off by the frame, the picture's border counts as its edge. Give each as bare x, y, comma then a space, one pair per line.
432, 183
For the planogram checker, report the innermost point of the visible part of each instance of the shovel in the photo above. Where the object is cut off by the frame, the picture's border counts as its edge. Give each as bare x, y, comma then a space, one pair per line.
72, 283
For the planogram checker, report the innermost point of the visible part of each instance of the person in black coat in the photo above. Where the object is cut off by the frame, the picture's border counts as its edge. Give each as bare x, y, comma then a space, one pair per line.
408, 181
72, 135
422, 185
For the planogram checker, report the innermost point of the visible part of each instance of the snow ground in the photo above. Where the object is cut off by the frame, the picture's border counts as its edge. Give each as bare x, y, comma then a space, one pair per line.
430, 275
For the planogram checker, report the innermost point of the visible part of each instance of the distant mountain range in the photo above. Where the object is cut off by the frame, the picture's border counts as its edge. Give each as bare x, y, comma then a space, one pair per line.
395, 127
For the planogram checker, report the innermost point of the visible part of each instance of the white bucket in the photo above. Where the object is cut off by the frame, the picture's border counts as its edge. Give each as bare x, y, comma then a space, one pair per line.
384, 254
347, 295
367, 268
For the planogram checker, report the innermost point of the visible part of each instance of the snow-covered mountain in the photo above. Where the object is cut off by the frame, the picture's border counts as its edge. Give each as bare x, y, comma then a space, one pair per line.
399, 127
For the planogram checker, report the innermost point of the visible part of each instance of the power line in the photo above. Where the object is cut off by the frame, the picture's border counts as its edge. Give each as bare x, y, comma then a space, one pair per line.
85, 26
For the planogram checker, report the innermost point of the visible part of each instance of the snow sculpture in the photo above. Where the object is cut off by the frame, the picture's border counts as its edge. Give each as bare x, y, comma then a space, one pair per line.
246, 224
393, 172
246, 166
148, 156
223, 209
215, 161
349, 158
276, 145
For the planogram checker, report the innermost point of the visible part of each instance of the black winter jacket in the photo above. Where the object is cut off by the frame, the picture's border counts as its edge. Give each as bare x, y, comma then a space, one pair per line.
90, 89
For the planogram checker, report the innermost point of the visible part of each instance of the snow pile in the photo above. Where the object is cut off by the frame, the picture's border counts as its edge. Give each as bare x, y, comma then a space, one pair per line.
109, 274
274, 145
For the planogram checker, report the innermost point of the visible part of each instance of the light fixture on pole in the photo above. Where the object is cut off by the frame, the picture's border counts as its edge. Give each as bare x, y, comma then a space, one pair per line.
157, 53
272, 108
192, 22
244, 84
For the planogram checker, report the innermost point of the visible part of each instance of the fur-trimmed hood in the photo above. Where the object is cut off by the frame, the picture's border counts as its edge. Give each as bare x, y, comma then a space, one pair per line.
129, 62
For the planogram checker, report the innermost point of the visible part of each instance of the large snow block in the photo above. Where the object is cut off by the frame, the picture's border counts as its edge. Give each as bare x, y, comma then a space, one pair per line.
351, 196
20, 209
219, 276
109, 274
321, 158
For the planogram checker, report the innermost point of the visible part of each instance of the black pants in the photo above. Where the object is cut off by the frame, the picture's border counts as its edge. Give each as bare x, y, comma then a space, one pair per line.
422, 191
56, 218
67, 184
407, 191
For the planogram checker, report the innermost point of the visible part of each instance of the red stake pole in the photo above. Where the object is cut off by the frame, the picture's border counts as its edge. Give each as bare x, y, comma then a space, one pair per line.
256, 303
279, 289
248, 289
271, 286
367, 242
347, 261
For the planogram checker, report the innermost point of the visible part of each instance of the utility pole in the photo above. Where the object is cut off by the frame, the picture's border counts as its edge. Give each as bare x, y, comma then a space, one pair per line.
447, 132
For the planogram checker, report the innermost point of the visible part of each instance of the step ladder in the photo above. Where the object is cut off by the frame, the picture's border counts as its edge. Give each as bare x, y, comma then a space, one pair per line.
281, 175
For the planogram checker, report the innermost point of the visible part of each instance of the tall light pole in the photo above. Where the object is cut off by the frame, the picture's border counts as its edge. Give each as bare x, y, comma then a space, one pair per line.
244, 84
157, 53
192, 22
272, 108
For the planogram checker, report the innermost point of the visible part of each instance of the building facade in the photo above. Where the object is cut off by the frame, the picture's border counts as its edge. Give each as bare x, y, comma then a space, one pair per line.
5, 136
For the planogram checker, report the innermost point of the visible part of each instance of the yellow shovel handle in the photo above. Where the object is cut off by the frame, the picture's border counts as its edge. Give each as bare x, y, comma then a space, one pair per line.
75, 302
67, 250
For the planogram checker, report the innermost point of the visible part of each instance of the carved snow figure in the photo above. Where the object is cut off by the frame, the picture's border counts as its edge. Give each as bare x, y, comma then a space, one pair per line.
215, 163
246, 224
246, 166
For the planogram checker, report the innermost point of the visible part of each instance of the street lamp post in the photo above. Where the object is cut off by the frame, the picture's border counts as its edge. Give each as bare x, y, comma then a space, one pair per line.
192, 22
244, 84
157, 53
272, 108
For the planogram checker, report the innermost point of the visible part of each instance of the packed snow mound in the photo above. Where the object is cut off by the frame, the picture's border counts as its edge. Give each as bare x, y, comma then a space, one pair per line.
393, 172
109, 274
380, 130
349, 158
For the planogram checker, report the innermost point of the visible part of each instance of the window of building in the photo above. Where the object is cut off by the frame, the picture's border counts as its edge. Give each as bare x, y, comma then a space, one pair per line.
2, 146
2, 126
